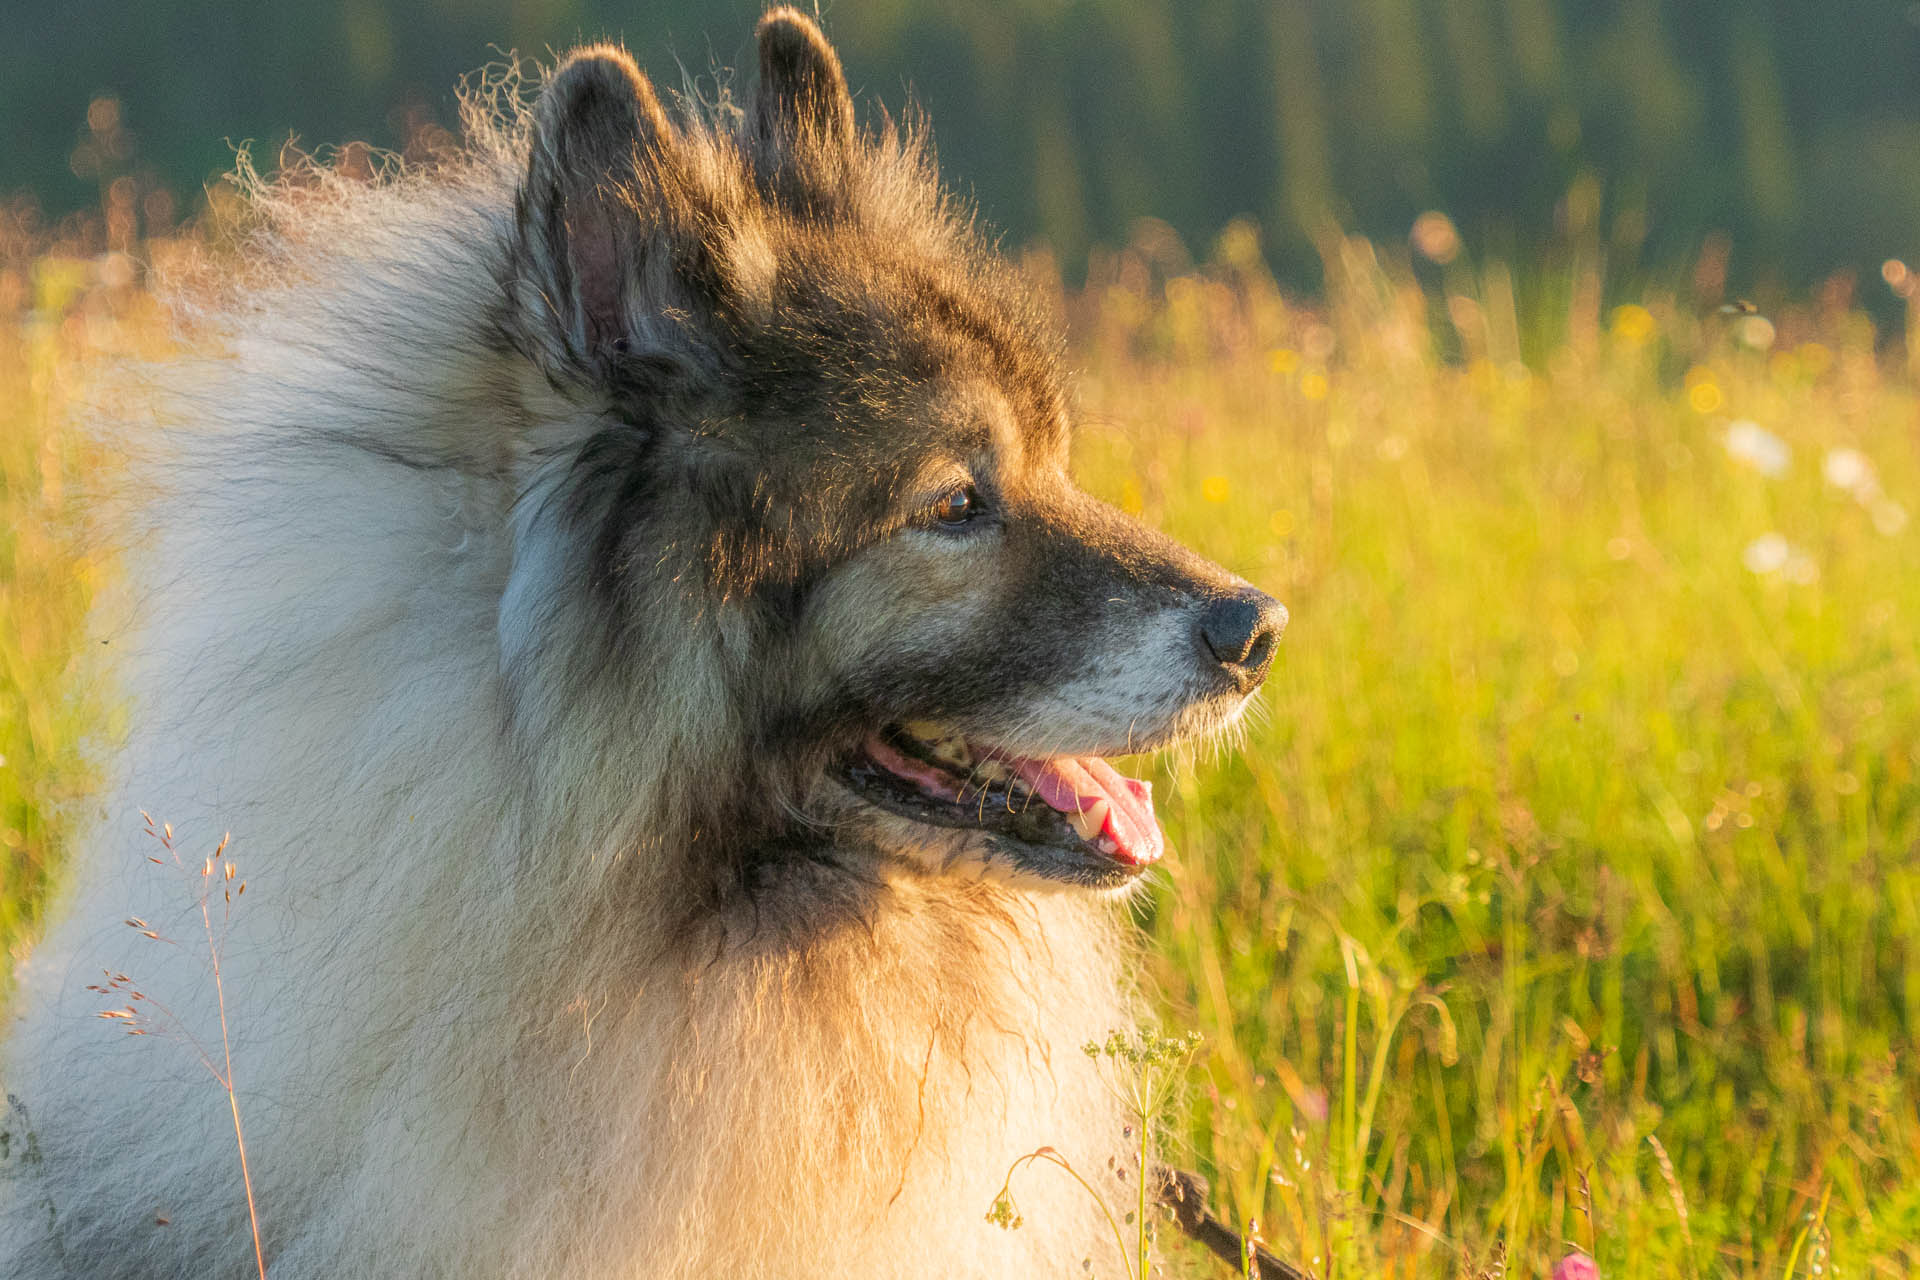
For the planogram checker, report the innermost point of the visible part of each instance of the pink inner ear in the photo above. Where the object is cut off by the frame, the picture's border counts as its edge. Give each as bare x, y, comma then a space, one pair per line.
593, 251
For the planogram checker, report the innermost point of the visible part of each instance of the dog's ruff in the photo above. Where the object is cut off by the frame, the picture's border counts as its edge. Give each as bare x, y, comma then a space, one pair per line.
468, 596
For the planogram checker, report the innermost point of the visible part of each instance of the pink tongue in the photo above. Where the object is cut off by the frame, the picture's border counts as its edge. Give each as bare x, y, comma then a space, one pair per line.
1073, 784
1069, 784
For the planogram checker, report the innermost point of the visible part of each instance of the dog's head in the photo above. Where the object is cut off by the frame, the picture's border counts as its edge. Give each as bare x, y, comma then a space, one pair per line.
809, 533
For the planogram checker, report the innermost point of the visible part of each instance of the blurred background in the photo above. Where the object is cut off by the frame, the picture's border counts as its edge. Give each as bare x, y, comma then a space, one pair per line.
1792, 129
1555, 361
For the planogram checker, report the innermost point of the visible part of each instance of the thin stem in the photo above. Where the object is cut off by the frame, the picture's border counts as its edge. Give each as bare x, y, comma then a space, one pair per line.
1146, 1252
1054, 1157
1813, 1224
233, 1100
1387, 1028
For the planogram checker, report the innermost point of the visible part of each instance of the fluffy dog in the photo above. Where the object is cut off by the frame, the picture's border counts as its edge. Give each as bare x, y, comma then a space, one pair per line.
623, 592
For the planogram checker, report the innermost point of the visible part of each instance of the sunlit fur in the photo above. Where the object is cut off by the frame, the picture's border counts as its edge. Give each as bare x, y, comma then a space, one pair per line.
494, 1009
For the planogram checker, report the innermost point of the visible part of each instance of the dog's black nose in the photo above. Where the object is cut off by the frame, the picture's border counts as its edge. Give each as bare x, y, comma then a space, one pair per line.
1242, 630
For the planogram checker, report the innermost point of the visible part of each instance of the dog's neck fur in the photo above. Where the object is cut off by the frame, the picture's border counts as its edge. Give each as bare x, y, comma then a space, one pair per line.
838, 1071
828, 1077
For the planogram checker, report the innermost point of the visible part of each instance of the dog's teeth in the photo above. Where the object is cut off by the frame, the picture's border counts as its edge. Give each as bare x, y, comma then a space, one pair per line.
1090, 822
992, 771
949, 749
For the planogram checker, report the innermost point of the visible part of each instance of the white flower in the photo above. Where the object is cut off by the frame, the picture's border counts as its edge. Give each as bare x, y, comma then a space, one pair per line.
1767, 553
1755, 332
1771, 553
1851, 470
1749, 442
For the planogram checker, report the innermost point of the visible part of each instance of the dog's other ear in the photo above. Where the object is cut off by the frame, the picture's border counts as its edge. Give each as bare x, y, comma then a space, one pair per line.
803, 91
803, 115
580, 235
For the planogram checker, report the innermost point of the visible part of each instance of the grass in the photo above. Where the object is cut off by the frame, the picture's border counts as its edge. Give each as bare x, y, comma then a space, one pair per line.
1566, 894
50, 330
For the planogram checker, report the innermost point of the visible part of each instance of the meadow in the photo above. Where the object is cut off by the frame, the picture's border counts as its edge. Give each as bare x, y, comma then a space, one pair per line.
1564, 894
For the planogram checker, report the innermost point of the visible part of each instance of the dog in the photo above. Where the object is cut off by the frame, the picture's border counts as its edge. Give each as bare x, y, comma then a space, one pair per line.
622, 592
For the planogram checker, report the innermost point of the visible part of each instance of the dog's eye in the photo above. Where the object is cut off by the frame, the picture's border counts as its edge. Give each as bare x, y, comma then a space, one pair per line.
957, 506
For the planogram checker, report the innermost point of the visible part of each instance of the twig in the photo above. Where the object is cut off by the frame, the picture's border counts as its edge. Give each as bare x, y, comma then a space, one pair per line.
1185, 1195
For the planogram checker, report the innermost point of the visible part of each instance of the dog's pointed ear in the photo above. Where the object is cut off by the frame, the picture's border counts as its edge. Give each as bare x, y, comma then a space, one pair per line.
802, 114
803, 91
580, 234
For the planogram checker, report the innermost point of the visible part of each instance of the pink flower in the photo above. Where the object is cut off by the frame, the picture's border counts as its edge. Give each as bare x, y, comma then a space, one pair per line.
1576, 1266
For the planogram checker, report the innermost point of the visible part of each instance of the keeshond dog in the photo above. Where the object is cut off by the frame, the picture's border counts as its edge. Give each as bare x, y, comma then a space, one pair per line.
623, 593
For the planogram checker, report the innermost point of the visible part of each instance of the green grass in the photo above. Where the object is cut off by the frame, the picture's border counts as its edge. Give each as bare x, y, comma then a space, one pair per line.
1565, 837
47, 324
1566, 892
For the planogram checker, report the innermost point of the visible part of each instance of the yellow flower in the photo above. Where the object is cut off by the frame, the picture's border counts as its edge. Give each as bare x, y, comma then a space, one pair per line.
1633, 323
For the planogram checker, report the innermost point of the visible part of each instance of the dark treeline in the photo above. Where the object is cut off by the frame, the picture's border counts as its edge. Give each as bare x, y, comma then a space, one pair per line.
1791, 125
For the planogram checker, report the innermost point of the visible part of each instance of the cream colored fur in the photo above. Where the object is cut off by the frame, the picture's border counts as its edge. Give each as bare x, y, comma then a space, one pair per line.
474, 1035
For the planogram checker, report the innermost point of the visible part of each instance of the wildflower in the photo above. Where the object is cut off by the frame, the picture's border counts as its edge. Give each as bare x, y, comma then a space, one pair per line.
1003, 1214
1704, 395
1851, 470
1634, 324
1754, 332
1576, 1266
1435, 236
1749, 442
1767, 553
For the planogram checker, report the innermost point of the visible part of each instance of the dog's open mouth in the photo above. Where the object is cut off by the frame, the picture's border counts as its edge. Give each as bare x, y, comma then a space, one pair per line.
1071, 818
